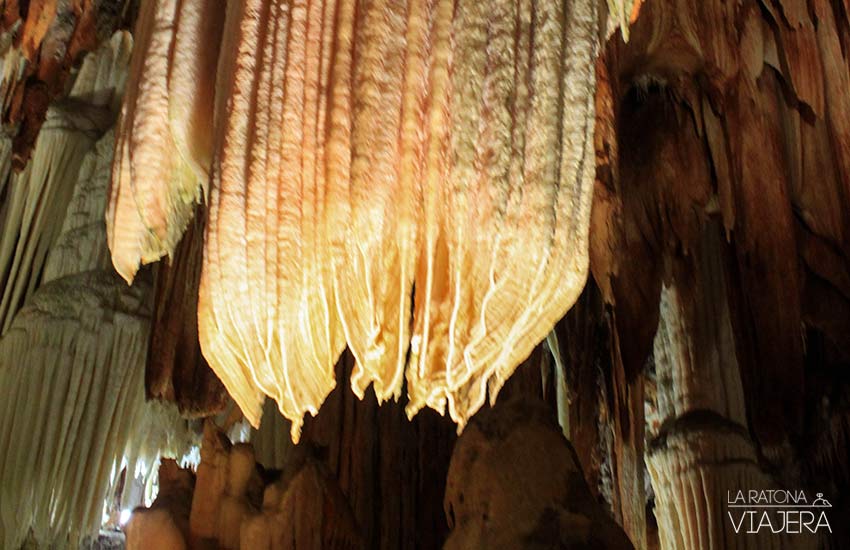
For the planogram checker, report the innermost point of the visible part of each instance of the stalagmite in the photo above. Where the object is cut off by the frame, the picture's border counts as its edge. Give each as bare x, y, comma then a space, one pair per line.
514, 482
700, 452
305, 509
165, 525
164, 145
210, 485
695, 466
235, 506
154, 528
301, 506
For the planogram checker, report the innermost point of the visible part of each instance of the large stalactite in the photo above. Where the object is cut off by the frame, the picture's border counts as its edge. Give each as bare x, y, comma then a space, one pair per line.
359, 154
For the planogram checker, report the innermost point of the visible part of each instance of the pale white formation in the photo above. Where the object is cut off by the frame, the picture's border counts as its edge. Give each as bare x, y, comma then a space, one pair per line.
701, 452
72, 368
32, 213
72, 358
693, 475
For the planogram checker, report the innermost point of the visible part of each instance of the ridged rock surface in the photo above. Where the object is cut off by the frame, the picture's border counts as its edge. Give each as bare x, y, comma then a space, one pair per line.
72, 359
411, 179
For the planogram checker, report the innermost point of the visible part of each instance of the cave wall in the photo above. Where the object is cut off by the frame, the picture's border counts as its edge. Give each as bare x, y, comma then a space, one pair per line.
719, 238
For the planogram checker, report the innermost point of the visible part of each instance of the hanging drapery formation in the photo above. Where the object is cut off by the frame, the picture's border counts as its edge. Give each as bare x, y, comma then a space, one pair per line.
176, 370
164, 139
379, 191
72, 360
386, 175
506, 211
267, 317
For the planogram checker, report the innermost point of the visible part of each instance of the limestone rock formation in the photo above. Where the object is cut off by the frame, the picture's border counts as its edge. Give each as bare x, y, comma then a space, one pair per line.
234, 507
515, 482
72, 358
165, 525
164, 138
357, 150
718, 238
411, 180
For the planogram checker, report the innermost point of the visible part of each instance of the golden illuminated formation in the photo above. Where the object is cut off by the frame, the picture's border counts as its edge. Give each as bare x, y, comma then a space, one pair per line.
267, 314
410, 178
507, 198
164, 139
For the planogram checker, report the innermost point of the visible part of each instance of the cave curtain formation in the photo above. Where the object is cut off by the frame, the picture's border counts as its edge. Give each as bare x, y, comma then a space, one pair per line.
352, 152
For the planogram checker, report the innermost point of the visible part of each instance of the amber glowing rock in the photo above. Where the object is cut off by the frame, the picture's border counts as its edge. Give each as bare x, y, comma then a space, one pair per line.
409, 178
267, 316
507, 197
164, 145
